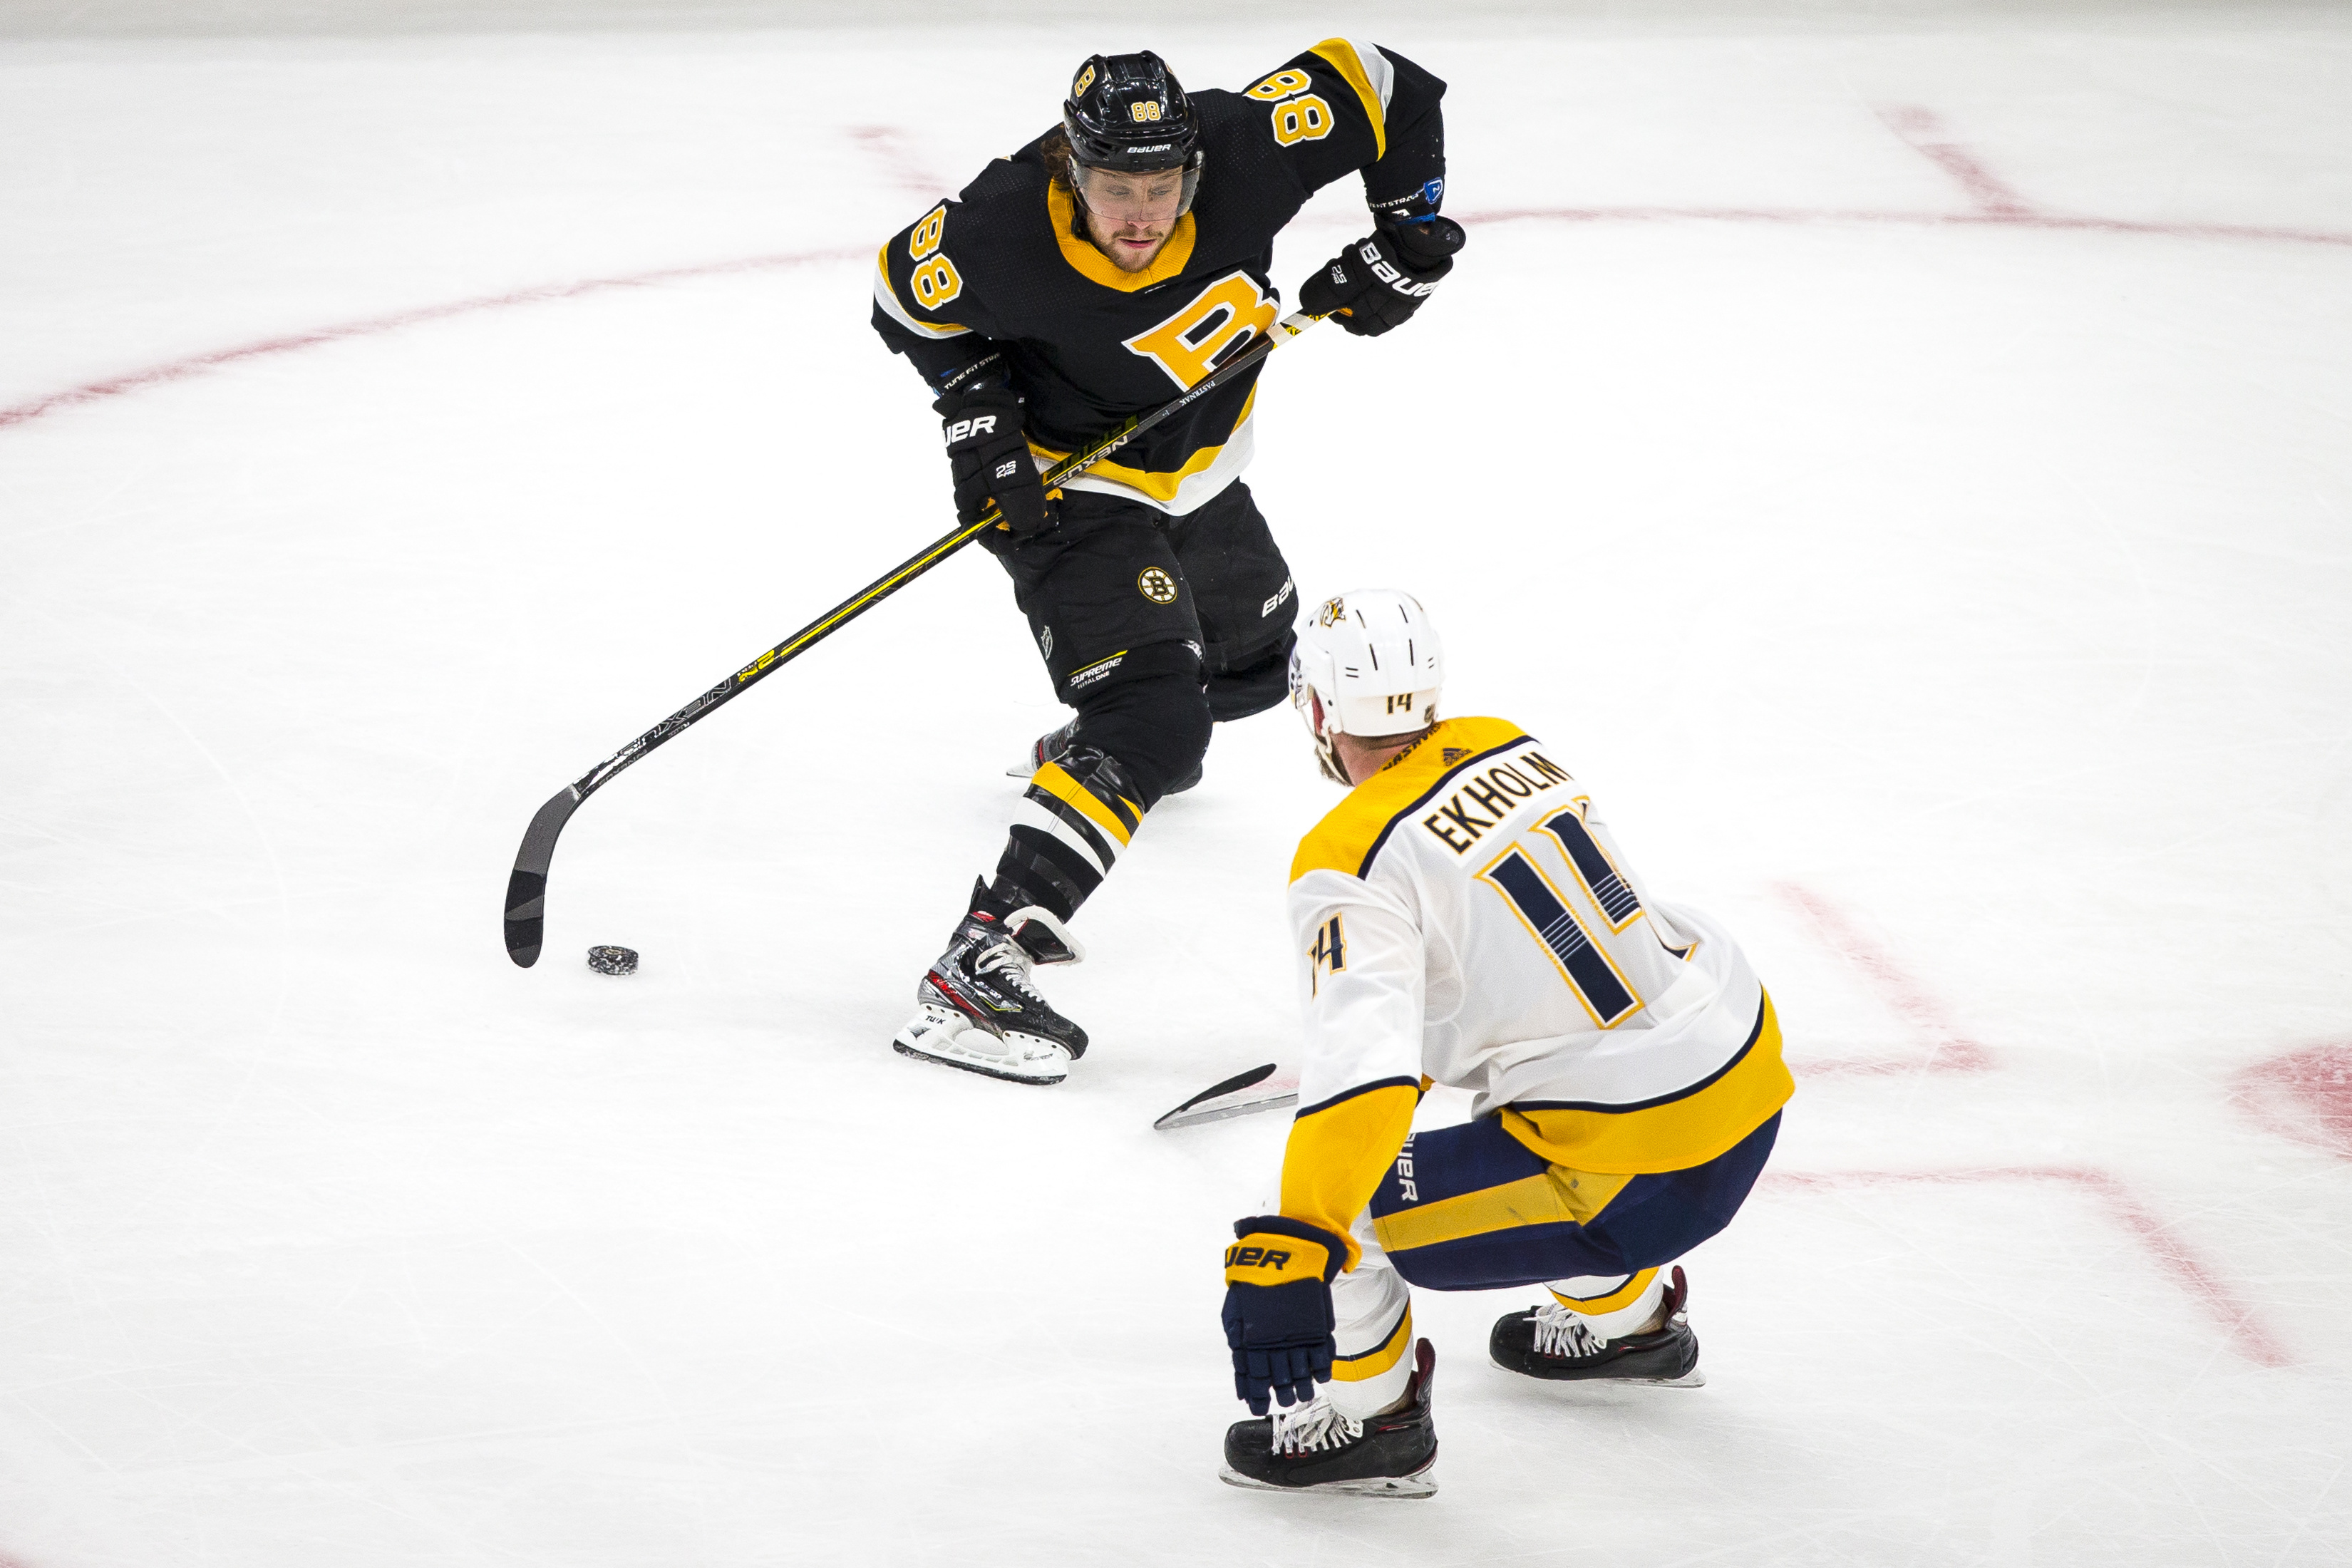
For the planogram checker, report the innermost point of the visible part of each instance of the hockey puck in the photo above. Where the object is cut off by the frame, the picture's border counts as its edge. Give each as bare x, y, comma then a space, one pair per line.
613, 960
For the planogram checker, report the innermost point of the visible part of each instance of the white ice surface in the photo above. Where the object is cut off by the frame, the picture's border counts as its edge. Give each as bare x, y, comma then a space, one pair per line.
1989, 587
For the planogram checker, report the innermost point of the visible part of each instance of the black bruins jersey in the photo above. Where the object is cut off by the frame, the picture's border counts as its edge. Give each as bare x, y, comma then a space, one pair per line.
1006, 269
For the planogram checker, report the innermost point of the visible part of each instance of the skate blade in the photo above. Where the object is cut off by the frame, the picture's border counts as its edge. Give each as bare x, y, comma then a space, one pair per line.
938, 1037
1420, 1484
1695, 1378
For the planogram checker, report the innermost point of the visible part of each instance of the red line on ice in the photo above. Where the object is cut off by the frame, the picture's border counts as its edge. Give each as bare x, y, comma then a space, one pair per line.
1923, 131
1952, 1051
2174, 1255
181, 369
2306, 1096
1919, 220
887, 146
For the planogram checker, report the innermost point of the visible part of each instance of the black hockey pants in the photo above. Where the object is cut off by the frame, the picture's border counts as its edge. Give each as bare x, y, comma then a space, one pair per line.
1152, 626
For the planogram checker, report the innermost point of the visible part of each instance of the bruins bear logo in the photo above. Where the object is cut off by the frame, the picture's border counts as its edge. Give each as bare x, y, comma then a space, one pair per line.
1156, 586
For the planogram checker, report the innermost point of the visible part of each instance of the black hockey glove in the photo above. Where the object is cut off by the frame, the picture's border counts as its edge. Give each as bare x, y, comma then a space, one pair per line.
1380, 280
990, 459
1278, 1308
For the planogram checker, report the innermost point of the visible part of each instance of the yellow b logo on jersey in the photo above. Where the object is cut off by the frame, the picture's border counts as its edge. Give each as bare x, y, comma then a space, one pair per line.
1221, 319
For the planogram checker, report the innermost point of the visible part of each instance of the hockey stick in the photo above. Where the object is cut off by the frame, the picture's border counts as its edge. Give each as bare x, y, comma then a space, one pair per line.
1268, 1088
526, 908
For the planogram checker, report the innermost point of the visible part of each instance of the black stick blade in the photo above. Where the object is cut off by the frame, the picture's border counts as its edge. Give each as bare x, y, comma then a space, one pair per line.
1260, 1088
526, 925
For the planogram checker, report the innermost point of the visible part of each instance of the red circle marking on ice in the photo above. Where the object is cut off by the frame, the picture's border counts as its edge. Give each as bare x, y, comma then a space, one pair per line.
1996, 208
372, 326
2305, 1095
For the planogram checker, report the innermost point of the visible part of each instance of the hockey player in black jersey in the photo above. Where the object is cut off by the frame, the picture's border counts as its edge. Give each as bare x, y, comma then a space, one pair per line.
1092, 275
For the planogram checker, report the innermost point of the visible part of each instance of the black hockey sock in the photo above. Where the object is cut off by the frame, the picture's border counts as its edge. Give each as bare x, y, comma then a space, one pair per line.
1075, 819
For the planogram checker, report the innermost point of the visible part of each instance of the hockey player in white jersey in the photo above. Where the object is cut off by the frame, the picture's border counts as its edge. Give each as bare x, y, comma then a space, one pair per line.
1464, 918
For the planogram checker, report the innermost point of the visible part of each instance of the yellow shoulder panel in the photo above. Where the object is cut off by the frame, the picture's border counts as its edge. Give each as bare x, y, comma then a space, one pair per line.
1341, 56
1347, 839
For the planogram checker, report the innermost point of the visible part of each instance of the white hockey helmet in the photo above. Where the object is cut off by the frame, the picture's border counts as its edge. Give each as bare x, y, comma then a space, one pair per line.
1367, 664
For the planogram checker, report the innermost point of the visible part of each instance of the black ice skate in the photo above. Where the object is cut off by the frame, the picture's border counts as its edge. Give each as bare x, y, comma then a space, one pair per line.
1319, 1450
976, 1008
1055, 744
1551, 1342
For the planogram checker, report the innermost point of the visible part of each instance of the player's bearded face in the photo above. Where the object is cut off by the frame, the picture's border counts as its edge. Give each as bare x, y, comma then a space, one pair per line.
1131, 217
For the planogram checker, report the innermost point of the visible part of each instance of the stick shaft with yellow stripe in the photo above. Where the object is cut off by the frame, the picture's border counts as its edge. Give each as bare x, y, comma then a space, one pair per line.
526, 904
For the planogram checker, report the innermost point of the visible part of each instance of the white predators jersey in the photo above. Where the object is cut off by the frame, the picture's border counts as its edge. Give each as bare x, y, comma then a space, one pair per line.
1464, 916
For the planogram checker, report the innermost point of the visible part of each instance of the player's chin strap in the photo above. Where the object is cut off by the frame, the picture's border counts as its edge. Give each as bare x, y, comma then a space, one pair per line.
525, 906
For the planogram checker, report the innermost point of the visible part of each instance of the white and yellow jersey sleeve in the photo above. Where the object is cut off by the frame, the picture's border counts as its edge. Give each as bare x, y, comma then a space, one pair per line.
1465, 917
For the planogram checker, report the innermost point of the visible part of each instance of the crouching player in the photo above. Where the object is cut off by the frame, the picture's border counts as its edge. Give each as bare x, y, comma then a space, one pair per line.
1463, 917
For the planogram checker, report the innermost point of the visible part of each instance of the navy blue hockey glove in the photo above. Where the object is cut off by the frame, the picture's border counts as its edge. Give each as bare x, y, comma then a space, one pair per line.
1278, 1308
1380, 280
990, 459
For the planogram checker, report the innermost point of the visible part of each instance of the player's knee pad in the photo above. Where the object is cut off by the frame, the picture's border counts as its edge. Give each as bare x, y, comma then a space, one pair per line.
1156, 721
1260, 681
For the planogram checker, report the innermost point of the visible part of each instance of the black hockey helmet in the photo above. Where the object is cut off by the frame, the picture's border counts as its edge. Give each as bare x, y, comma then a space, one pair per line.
1128, 114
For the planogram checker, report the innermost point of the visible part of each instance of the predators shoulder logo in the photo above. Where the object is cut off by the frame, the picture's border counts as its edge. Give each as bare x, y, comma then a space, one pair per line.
1156, 586
1332, 613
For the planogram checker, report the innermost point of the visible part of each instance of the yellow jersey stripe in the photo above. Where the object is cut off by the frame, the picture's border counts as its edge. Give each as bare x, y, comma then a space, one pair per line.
1080, 252
1687, 1128
1343, 59
1053, 781
1349, 838
1160, 487
1337, 1154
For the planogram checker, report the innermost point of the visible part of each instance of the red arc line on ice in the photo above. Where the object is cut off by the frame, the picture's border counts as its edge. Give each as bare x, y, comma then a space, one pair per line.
372, 326
1950, 1050
1996, 205
2177, 1260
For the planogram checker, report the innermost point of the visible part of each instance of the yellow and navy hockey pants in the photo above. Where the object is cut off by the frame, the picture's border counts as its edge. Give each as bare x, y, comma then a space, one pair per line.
1472, 1208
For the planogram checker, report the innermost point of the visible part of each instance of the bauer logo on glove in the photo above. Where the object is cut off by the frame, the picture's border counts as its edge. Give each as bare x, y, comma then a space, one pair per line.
1240, 1256
1380, 280
1277, 1313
